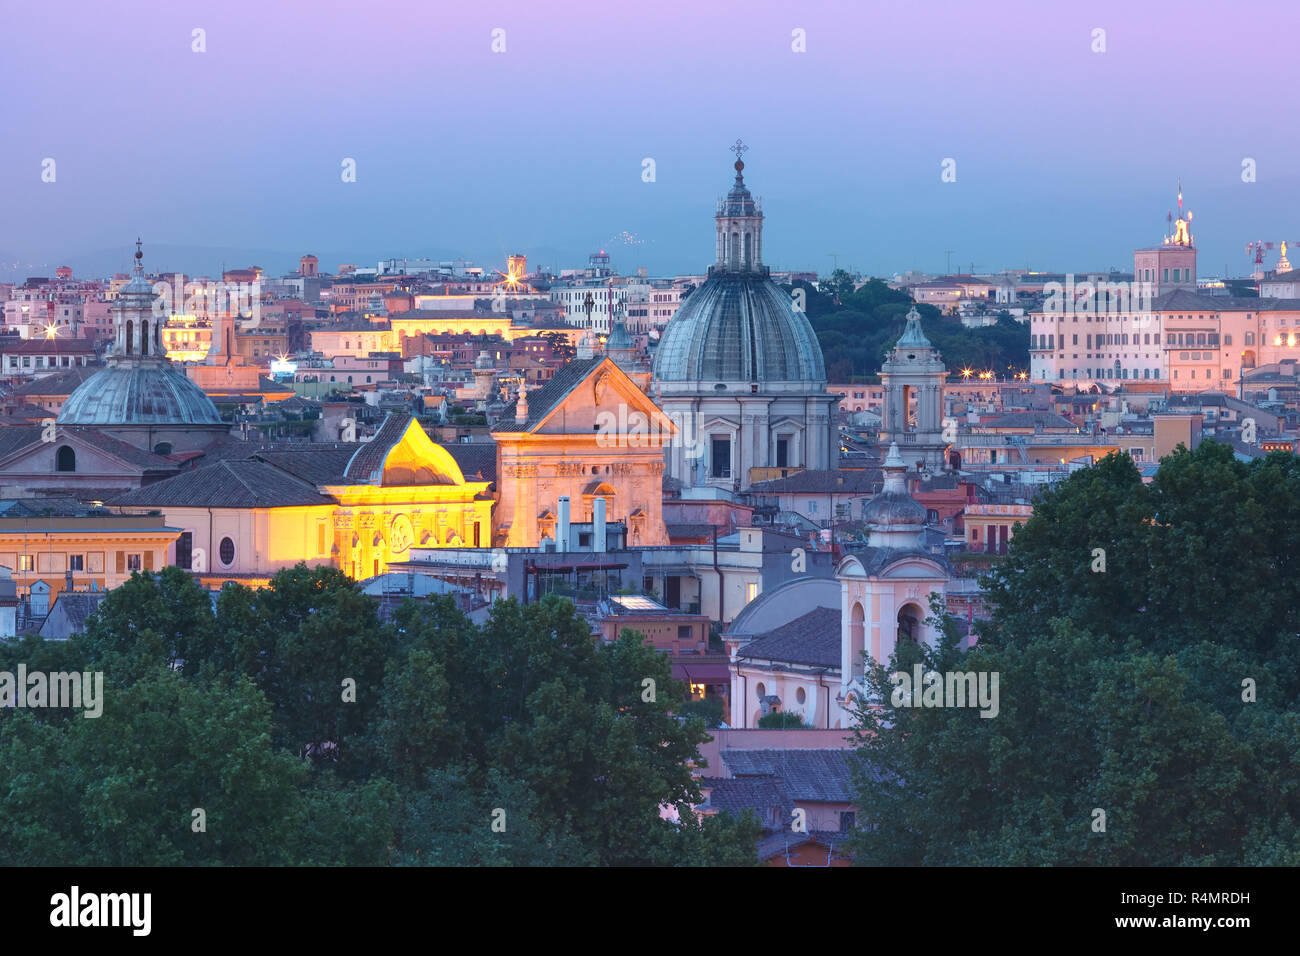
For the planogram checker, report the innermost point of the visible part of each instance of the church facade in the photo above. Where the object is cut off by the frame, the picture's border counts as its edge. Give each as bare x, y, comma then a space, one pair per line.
589, 433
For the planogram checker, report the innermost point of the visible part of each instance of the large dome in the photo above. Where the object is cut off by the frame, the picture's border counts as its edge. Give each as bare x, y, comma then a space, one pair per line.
139, 393
739, 327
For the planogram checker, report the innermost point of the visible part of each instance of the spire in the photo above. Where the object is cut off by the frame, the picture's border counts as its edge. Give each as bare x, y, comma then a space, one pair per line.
913, 336
139, 257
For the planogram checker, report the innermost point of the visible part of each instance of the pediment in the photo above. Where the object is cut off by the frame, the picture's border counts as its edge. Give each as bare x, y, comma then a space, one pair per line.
606, 402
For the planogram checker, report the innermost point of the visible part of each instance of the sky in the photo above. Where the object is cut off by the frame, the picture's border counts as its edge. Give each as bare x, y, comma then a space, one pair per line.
1066, 159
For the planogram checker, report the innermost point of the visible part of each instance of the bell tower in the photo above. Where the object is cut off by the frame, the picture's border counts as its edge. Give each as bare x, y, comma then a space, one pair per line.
913, 377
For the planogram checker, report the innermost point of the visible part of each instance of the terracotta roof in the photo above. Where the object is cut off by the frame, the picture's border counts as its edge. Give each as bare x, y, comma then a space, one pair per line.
813, 639
228, 484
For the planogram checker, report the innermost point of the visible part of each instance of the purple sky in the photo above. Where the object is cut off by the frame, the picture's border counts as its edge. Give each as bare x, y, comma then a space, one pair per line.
1066, 159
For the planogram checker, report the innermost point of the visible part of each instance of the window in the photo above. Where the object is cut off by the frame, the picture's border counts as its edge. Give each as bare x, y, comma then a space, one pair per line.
25, 562
1227, 340
320, 537
76, 562
782, 452
848, 820
227, 551
65, 459
751, 591
721, 460
185, 550
801, 695
133, 562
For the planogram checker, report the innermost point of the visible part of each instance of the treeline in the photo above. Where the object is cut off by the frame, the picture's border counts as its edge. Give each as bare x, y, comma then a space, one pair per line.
857, 329
290, 725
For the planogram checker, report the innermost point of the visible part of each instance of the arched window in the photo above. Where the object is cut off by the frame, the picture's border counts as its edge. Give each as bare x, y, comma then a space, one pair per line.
130, 331
144, 336
909, 623
162, 448
857, 640
65, 459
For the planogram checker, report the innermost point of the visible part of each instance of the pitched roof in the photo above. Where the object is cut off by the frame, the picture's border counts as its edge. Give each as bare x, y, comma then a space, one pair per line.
821, 775
477, 460
737, 794
369, 457
76, 607
813, 639
543, 401
320, 465
60, 383
44, 346
228, 484
818, 481
145, 460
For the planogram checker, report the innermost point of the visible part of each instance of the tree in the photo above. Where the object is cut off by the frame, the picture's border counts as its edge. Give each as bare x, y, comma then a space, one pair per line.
1124, 689
122, 789
780, 720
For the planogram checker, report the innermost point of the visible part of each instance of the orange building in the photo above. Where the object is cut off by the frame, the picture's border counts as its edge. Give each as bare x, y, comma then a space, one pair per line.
573, 440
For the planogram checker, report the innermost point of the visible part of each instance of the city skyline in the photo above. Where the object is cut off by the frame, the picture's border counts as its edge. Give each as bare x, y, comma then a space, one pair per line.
544, 152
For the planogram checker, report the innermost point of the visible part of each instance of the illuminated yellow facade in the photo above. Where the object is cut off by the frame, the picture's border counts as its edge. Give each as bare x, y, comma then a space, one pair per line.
396, 491
186, 339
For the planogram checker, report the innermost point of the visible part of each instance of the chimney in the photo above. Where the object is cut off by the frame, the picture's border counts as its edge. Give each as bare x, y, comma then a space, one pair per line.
598, 525
67, 580
562, 524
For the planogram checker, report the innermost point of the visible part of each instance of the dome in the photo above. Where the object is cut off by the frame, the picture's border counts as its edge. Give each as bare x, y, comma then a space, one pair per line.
143, 393
894, 518
892, 510
739, 327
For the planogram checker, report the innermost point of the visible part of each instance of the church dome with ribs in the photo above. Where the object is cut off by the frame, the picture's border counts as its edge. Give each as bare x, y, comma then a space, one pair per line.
739, 326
